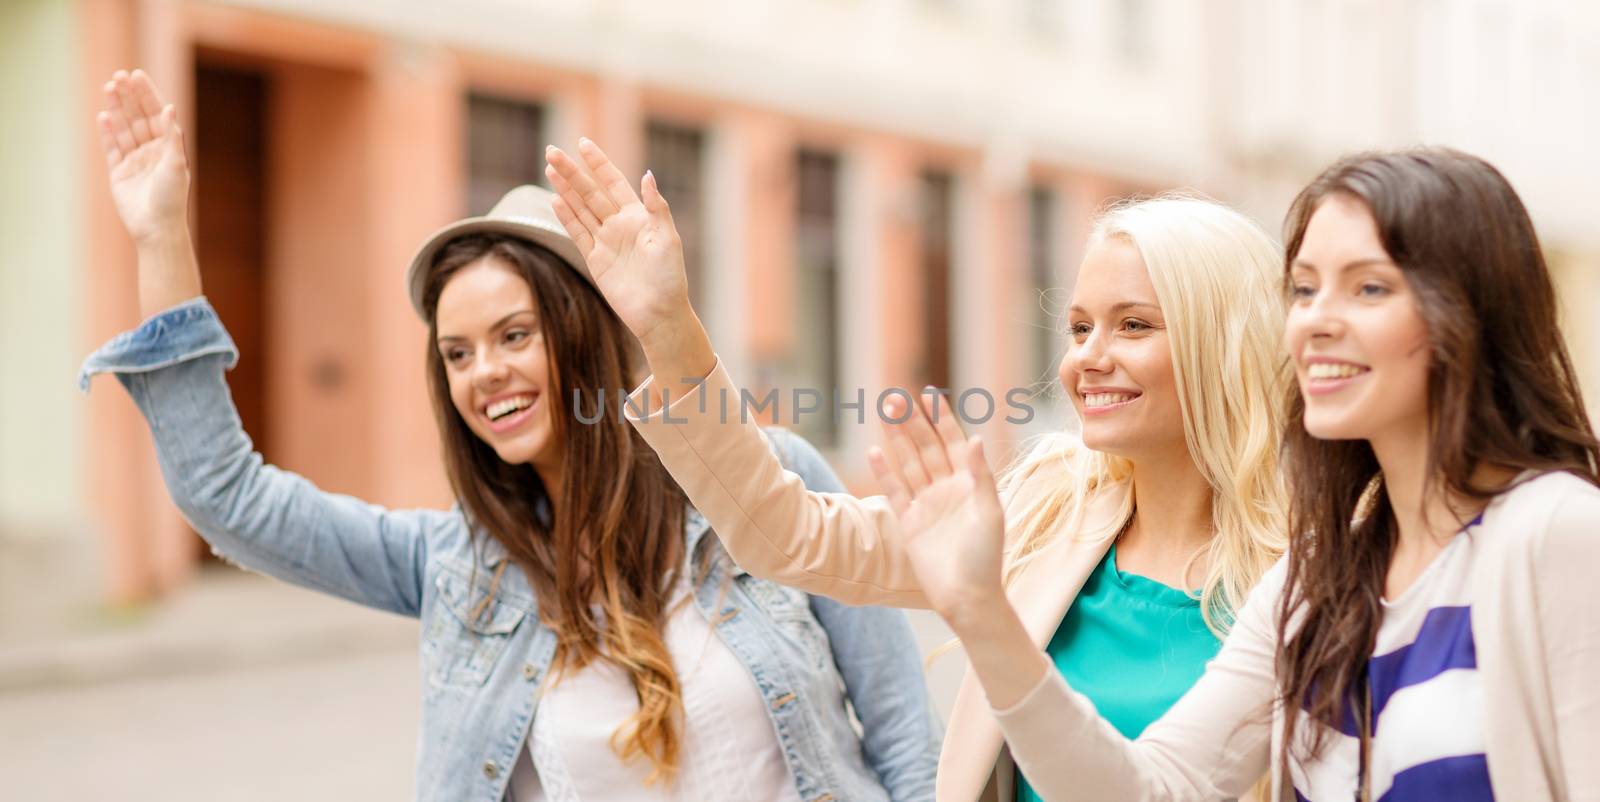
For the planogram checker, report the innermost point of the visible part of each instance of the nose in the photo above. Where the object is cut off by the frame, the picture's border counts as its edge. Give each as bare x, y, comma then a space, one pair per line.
1091, 355
1319, 317
488, 371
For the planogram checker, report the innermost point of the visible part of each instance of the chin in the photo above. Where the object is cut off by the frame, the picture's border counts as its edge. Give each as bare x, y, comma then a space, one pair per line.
1331, 428
1102, 441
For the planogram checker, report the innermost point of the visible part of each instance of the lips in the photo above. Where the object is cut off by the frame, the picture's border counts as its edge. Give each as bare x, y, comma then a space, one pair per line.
1101, 400
506, 412
1325, 376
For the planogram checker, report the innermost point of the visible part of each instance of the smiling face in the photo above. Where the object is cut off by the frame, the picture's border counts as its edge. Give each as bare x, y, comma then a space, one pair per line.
490, 340
1359, 343
1118, 365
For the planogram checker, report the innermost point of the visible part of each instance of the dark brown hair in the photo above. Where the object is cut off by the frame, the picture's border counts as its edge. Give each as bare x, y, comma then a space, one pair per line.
614, 531
1501, 392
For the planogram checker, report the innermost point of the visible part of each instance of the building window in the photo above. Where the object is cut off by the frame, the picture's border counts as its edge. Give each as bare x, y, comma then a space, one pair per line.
1044, 281
505, 148
676, 154
937, 212
816, 353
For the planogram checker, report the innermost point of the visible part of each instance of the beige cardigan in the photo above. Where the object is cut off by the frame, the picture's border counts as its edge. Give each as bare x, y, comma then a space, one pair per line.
840, 546
1536, 627
1535, 623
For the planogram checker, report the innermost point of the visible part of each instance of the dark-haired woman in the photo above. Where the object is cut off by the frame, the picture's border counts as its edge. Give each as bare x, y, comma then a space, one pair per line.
582, 638
1433, 633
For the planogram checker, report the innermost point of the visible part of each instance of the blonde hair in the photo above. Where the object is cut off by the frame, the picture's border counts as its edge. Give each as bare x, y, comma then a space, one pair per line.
1215, 274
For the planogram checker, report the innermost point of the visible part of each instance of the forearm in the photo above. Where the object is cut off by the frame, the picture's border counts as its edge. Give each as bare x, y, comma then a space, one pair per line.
1003, 655
830, 544
169, 274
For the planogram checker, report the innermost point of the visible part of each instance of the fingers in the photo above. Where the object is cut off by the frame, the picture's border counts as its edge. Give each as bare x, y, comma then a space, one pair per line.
606, 173
585, 192
117, 120
149, 101
568, 195
108, 139
945, 423
931, 447
575, 227
982, 477
654, 203
168, 120
899, 447
894, 487
138, 124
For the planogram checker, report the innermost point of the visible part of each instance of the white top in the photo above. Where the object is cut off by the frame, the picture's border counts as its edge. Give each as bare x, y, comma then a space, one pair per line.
1428, 732
729, 748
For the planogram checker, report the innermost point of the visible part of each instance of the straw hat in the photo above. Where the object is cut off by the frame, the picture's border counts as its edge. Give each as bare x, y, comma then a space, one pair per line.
524, 212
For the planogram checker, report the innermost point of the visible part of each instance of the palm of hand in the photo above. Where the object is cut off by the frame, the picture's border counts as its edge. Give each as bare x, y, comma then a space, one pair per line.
954, 533
149, 186
637, 263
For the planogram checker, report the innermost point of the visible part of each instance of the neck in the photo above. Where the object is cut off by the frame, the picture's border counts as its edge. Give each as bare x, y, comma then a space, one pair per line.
1173, 505
1426, 520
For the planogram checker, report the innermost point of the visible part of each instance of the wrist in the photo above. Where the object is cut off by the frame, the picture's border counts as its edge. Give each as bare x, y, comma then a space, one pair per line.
977, 612
677, 341
163, 239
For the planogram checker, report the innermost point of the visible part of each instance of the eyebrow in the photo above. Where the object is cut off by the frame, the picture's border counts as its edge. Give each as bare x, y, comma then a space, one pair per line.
497, 324
1347, 266
1120, 307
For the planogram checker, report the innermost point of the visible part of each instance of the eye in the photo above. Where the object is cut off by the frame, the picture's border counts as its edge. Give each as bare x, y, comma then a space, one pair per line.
455, 355
1301, 291
1136, 326
516, 335
1080, 330
1371, 289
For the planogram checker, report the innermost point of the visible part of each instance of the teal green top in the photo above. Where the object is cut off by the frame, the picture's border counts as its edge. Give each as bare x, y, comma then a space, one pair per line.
1130, 644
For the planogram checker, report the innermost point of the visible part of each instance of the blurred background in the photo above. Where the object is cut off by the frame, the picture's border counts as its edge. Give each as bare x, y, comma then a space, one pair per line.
872, 193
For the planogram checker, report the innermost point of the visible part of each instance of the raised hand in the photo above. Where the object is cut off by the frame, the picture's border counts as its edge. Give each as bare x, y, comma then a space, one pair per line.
144, 157
634, 253
942, 490
628, 239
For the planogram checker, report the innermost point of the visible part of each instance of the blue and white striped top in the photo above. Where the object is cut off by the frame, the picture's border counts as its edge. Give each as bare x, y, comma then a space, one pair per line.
1428, 737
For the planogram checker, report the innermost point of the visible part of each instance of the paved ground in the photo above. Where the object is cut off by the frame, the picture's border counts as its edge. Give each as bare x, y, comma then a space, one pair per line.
241, 689
338, 729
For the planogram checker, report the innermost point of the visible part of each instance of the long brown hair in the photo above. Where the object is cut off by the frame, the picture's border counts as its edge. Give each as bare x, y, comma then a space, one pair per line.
1501, 392
614, 531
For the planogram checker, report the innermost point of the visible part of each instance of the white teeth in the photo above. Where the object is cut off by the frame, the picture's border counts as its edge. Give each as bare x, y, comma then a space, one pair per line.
1106, 399
507, 406
1333, 370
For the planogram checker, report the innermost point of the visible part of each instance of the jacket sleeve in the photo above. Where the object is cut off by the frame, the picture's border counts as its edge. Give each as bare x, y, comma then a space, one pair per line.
1569, 623
832, 544
253, 514
1213, 744
877, 656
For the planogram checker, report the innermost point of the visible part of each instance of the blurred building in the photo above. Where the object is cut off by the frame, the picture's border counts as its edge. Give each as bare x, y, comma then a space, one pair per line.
872, 192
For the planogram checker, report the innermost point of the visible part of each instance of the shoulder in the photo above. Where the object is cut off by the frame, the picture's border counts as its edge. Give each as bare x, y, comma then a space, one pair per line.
1554, 516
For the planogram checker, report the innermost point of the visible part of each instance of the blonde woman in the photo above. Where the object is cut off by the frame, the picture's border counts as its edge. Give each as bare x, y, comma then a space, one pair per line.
1128, 548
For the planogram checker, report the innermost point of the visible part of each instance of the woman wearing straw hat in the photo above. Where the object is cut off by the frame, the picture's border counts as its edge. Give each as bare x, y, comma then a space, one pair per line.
582, 638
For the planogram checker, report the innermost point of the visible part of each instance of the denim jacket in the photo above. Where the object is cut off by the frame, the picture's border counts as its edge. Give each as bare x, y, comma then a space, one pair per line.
813, 660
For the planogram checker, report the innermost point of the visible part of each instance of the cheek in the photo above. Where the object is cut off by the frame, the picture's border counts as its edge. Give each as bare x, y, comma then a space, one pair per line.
1065, 373
1151, 367
461, 397
1293, 330
1401, 341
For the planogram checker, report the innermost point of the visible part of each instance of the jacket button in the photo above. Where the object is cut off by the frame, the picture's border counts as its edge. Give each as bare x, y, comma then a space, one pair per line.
490, 770
529, 672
